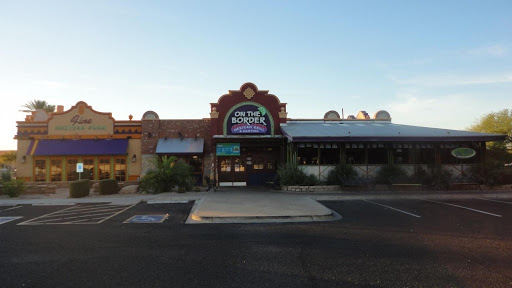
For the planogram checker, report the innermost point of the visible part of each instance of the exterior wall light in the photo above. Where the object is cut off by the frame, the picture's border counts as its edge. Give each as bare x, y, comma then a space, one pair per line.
134, 158
23, 159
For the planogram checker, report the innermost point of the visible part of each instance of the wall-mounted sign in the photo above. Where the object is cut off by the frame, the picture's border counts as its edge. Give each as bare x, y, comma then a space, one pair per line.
228, 149
248, 119
463, 153
81, 119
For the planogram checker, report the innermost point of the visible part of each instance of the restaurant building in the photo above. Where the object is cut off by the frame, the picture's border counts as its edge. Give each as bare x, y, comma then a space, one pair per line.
247, 136
51, 144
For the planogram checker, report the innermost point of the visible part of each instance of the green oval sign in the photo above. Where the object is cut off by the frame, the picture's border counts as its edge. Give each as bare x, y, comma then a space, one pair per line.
463, 153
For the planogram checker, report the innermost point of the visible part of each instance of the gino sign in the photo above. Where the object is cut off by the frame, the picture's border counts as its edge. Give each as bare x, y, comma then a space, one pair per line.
463, 153
248, 119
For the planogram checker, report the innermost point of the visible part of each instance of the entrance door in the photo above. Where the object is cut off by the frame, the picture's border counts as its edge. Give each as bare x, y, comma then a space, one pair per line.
232, 171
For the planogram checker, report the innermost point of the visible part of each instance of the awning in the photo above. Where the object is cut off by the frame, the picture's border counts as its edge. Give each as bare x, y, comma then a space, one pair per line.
180, 146
349, 131
78, 147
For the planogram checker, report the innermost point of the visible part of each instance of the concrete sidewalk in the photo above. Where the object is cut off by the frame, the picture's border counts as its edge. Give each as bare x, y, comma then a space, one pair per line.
249, 205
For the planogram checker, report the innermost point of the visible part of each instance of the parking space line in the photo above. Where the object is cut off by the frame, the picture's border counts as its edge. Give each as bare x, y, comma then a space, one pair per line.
494, 200
405, 212
71, 212
32, 220
117, 213
11, 208
475, 210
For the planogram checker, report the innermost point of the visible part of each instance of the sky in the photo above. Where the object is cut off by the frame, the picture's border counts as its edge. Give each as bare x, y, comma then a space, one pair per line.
428, 63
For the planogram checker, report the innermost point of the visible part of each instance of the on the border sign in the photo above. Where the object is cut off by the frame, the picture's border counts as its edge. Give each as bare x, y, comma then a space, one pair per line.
249, 119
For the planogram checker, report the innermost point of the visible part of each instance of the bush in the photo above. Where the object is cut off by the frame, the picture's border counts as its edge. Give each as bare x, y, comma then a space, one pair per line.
441, 177
391, 174
168, 174
310, 180
13, 187
79, 188
291, 174
6, 176
108, 186
341, 174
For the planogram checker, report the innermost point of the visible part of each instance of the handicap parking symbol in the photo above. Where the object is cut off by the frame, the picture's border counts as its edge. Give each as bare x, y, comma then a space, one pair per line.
147, 219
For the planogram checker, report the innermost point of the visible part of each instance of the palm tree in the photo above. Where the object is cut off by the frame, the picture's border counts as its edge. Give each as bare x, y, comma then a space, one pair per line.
39, 104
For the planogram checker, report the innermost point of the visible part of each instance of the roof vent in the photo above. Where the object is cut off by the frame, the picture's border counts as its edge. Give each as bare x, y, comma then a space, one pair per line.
382, 115
363, 115
332, 115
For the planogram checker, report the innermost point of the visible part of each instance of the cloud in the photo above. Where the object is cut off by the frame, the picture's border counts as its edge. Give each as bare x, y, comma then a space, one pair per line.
494, 50
454, 80
452, 111
49, 84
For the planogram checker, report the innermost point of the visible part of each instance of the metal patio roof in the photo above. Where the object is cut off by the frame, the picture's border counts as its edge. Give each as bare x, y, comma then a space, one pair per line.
349, 131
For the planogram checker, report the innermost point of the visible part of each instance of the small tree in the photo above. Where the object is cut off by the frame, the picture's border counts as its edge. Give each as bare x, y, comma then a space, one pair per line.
341, 174
39, 104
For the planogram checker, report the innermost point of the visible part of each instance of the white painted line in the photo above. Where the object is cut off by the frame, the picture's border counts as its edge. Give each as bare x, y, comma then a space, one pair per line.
73, 211
23, 223
405, 212
54, 204
117, 213
4, 220
480, 211
495, 200
12, 208
66, 218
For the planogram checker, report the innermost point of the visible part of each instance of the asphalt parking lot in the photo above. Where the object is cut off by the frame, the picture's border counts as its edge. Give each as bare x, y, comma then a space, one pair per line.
377, 243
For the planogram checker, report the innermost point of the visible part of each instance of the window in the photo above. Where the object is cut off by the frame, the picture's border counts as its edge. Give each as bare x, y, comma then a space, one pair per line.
403, 153
355, 153
71, 174
88, 169
197, 164
258, 164
377, 154
307, 154
225, 165
120, 169
329, 154
56, 170
425, 154
239, 166
104, 169
40, 170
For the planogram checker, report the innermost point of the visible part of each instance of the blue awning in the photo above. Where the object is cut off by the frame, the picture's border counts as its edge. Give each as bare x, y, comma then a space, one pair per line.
78, 147
180, 146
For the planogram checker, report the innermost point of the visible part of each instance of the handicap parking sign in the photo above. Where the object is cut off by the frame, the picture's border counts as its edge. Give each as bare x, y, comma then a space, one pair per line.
147, 219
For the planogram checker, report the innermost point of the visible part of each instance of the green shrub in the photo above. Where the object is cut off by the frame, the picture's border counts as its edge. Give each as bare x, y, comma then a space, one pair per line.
197, 189
391, 174
291, 174
6, 176
13, 187
168, 174
310, 180
441, 177
108, 186
341, 174
79, 188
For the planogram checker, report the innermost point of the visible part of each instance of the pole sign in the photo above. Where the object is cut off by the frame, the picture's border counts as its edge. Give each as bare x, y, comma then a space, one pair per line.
463, 153
79, 167
249, 119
